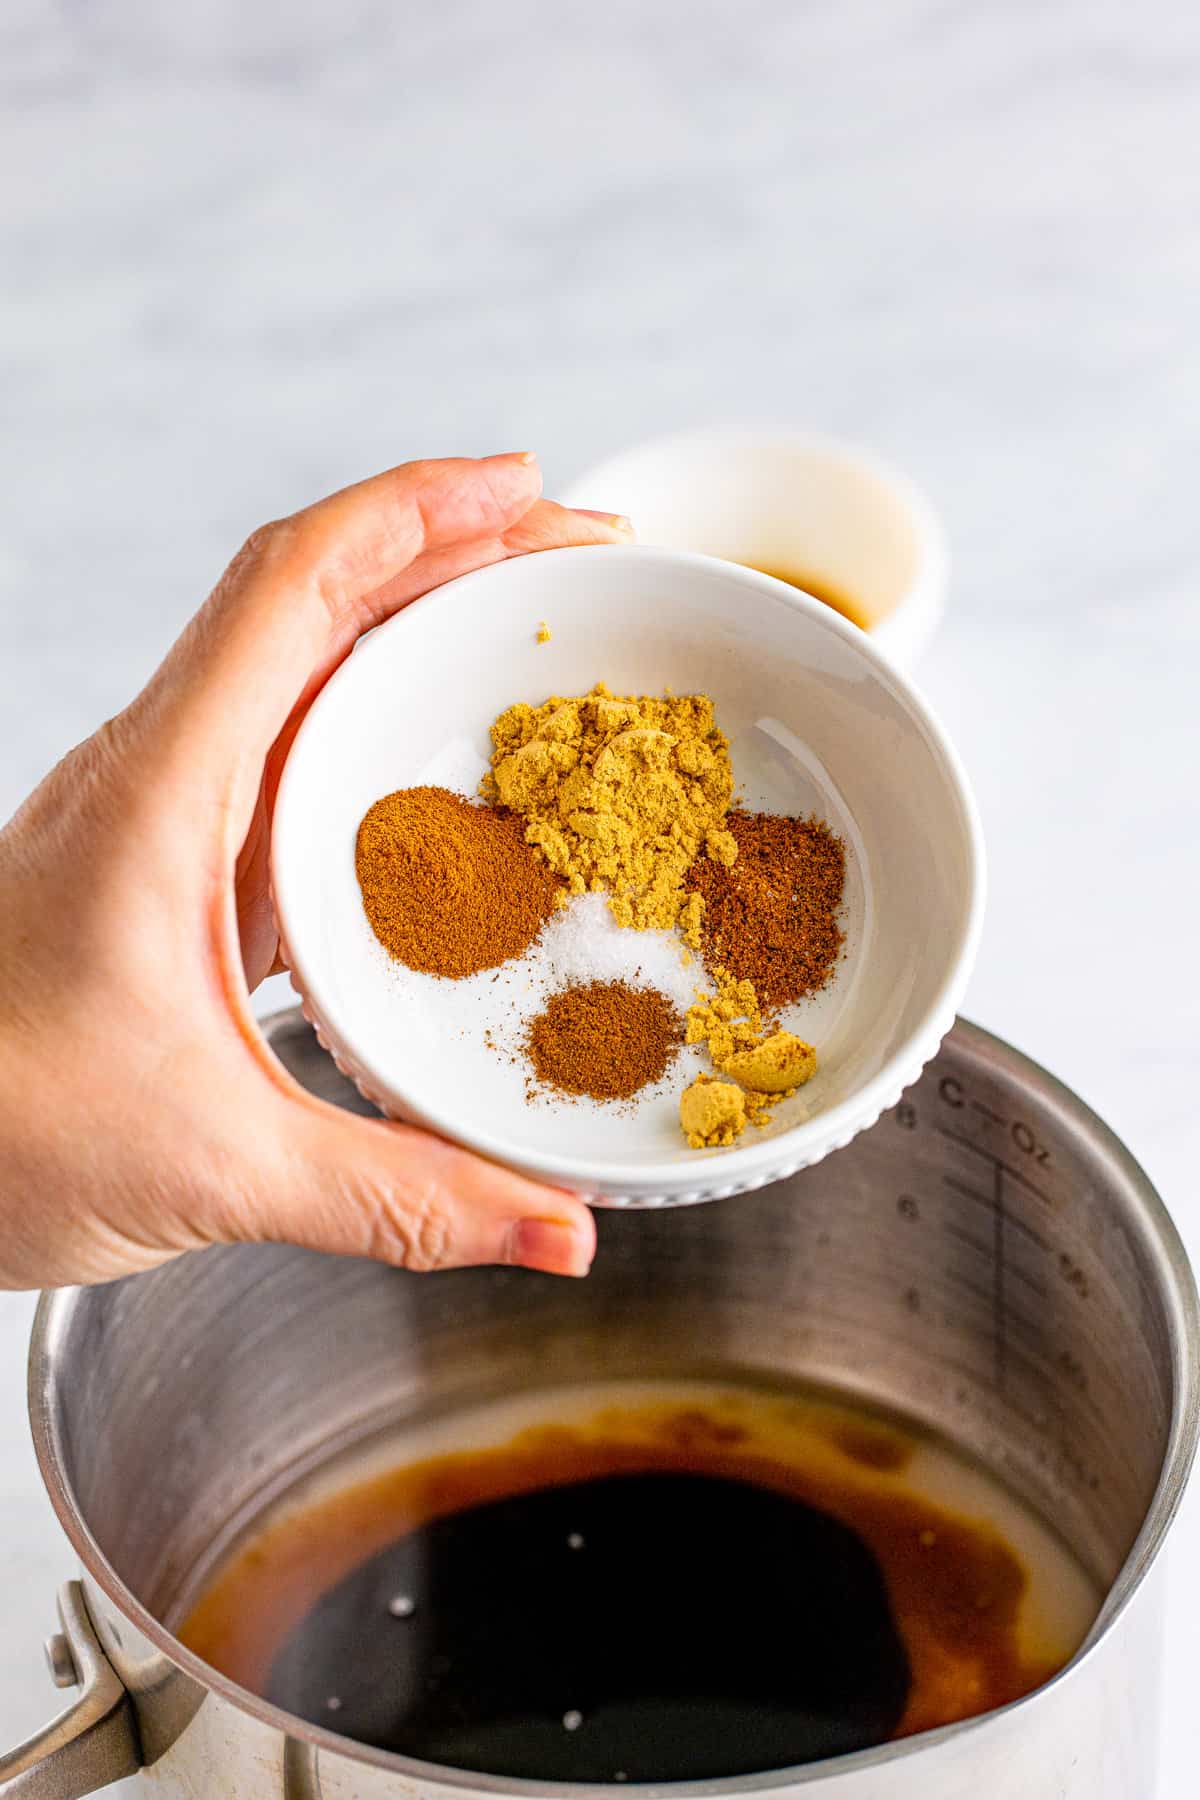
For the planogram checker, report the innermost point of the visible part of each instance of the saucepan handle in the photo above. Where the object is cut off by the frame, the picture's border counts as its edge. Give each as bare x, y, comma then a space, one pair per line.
94, 1742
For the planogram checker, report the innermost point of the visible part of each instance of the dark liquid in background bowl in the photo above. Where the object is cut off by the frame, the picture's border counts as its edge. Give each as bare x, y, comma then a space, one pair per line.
820, 590
658, 1591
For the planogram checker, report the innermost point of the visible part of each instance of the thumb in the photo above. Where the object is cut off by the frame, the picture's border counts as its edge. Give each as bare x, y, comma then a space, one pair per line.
365, 1187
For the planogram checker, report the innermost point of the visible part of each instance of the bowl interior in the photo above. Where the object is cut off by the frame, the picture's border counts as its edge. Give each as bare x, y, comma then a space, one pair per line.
817, 723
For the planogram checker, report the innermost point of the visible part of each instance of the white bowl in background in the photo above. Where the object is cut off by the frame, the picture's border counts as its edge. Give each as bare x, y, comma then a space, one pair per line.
819, 721
786, 502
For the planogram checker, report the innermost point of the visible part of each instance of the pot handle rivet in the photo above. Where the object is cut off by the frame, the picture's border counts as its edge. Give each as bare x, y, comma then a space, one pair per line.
94, 1741
60, 1661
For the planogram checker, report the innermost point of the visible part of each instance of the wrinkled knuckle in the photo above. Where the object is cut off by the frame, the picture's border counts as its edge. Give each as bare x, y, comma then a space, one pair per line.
111, 743
263, 541
94, 757
415, 1229
262, 550
296, 549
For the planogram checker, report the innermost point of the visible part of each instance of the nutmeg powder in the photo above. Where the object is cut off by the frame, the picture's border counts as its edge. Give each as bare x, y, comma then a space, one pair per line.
605, 1039
771, 915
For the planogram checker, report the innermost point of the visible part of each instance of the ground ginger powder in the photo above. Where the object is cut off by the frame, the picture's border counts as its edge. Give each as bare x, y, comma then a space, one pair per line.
766, 1064
779, 1064
712, 1113
727, 1021
619, 794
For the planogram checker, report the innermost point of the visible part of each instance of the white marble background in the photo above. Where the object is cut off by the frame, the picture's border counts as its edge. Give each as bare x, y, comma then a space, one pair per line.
249, 251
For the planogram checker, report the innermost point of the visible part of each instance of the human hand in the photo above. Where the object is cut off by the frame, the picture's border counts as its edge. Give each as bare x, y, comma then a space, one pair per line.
141, 1112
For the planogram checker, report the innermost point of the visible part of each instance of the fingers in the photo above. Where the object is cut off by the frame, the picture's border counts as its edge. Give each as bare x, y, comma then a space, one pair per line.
546, 526
618, 521
300, 591
292, 603
361, 1187
351, 545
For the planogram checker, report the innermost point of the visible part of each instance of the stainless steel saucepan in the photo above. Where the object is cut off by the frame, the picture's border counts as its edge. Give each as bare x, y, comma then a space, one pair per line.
988, 1260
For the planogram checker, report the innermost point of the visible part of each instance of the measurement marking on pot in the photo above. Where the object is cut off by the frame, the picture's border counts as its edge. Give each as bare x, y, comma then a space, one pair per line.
998, 1163
1001, 1220
969, 1193
999, 1313
1026, 1327
952, 1094
1006, 1272
992, 1252
1023, 1275
1073, 1275
966, 1237
1074, 1370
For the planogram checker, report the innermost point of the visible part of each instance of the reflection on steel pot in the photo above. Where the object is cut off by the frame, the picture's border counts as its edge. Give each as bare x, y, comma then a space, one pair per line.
988, 1262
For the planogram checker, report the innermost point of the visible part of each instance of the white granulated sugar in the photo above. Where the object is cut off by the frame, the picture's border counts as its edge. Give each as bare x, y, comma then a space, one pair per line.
583, 942
487, 1016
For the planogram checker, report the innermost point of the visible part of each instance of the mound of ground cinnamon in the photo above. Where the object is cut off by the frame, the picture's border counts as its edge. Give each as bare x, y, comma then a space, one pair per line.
450, 888
770, 916
604, 1039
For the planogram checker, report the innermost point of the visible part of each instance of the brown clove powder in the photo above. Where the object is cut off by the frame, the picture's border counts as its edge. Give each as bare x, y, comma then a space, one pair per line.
604, 1039
771, 916
450, 888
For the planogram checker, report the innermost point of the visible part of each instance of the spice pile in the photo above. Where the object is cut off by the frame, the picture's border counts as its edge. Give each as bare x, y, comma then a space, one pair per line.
630, 797
714, 1112
450, 888
620, 795
607, 1040
766, 1064
770, 916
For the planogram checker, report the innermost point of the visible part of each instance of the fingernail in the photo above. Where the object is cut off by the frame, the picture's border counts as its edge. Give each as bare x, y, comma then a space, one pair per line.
548, 1244
526, 458
617, 521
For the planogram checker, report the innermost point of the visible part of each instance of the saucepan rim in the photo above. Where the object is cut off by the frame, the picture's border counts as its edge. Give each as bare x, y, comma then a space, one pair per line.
1182, 1309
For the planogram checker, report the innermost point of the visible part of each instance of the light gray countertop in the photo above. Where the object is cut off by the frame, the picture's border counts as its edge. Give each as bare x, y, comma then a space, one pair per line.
252, 252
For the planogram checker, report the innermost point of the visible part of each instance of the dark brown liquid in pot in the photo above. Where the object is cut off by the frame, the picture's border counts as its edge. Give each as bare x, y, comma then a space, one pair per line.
659, 1626
660, 1592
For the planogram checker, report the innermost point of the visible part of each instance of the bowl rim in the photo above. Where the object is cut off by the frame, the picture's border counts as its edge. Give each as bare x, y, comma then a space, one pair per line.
737, 1168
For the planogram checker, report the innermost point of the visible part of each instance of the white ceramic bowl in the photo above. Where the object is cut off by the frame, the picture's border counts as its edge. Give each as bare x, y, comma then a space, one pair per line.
818, 721
789, 502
